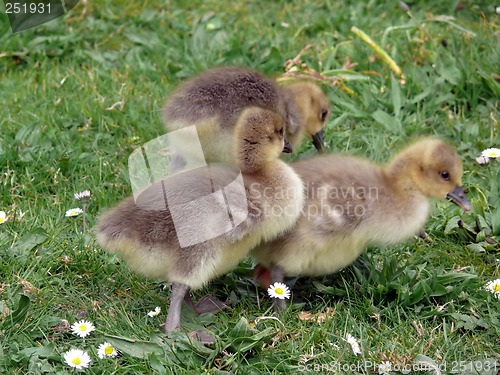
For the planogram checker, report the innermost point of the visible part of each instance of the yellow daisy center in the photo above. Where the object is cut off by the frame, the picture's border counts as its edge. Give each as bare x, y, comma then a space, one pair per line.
82, 327
108, 350
496, 287
279, 290
1, 220
76, 361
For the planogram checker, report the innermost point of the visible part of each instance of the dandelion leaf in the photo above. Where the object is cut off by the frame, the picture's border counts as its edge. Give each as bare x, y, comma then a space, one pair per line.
244, 338
469, 322
28, 242
452, 224
425, 363
156, 364
135, 348
391, 123
19, 314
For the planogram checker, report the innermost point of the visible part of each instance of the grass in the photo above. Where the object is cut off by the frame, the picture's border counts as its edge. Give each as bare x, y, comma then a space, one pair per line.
80, 93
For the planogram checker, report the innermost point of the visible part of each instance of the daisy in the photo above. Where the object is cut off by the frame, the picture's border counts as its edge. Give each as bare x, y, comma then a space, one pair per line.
82, 328
3, 217
279, 290
84, 194
106, 350
494, 287
384, 368
491, 153
77, 358
83, 197
351, 340
155, 312
482, 159
74, 212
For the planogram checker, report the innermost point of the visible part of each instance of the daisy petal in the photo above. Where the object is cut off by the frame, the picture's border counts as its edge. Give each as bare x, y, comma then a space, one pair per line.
482, 159
351, 340
77, 358
82, 328
83, 194
73, 212
106, 350
279, 290
3, 217
494, 287
491, 153
384, 368
155, 312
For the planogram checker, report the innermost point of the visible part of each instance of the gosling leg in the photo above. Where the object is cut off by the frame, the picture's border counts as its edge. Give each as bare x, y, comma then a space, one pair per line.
173, 321
277, 275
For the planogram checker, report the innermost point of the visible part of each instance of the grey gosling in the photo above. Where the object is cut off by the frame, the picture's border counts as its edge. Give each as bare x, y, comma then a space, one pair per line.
352, 203
213, 100
145, 232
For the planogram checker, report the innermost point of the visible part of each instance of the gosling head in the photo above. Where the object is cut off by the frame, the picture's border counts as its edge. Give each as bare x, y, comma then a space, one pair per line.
259, 138
435, 170
314, 109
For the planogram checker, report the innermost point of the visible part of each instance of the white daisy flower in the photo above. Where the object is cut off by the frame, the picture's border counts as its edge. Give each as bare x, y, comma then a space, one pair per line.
351, 340
494, 287
384, 368
83, 194
279, 290
74, 212
77, 358
82, 328
482, 159
155, 312
3, 217
491, 153
106, 350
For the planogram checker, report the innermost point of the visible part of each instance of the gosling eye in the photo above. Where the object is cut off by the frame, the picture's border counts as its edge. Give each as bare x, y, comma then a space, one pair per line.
445, 175
323, 114
279, 132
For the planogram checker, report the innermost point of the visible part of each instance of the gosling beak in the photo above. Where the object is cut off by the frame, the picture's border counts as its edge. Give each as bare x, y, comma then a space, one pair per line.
319, 141
458, 197
288, 147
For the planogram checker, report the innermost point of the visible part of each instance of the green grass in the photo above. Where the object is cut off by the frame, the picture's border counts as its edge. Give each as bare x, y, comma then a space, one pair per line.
62, 132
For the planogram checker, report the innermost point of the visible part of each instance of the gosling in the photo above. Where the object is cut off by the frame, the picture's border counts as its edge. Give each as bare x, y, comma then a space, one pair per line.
146, 234
213, 100
352, 203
